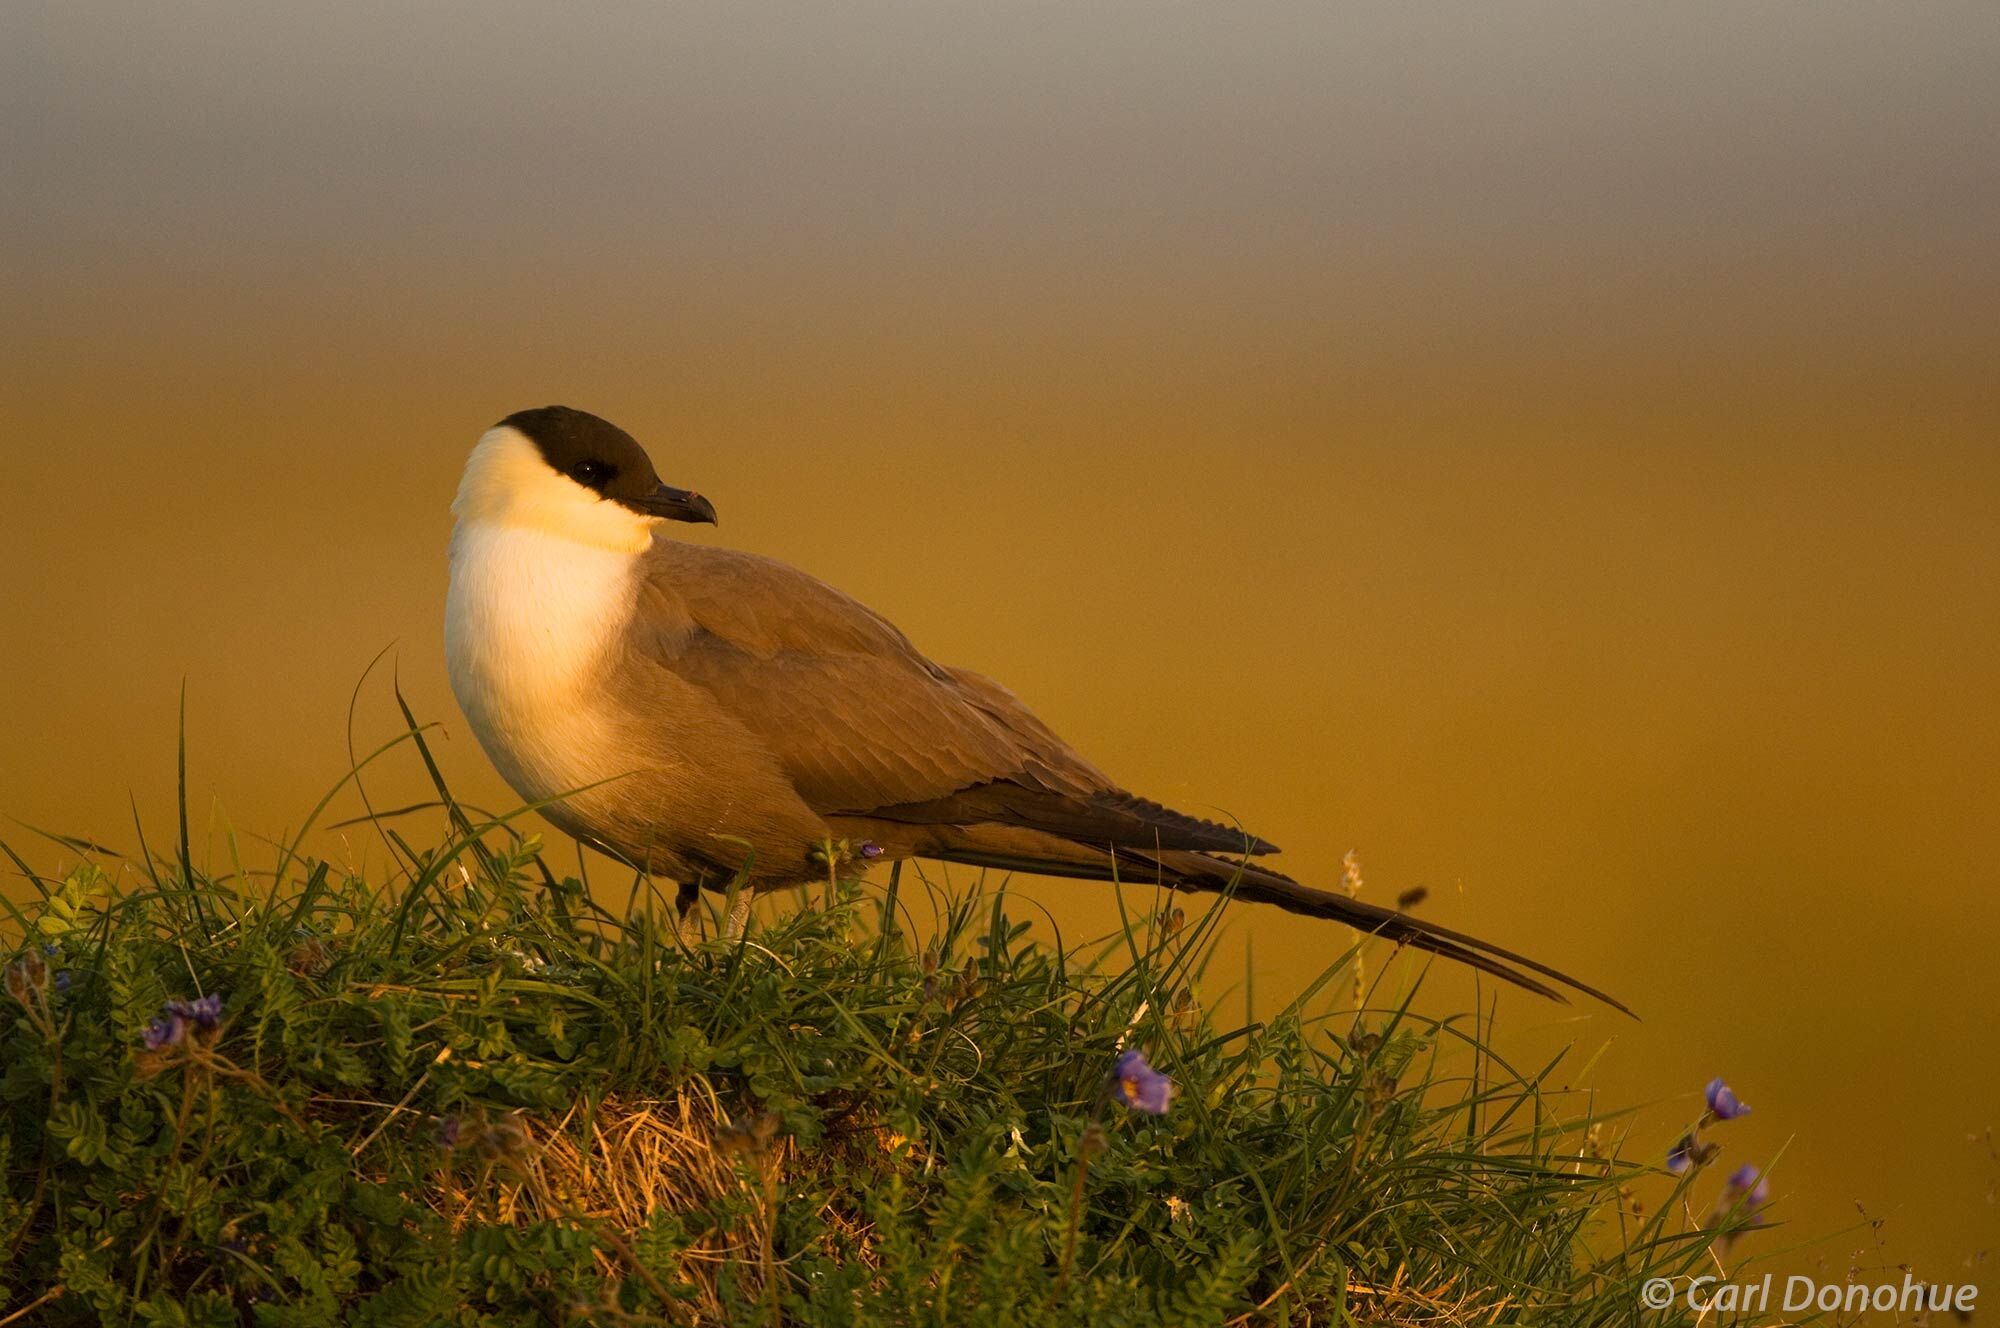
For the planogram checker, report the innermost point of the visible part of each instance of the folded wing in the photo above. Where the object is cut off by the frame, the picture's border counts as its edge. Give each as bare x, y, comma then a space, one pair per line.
865, 725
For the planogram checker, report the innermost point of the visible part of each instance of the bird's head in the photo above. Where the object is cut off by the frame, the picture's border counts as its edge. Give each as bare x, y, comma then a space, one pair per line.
568, 473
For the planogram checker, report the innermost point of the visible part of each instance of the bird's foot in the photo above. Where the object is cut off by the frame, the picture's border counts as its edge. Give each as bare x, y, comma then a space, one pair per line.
739, 914
687, 923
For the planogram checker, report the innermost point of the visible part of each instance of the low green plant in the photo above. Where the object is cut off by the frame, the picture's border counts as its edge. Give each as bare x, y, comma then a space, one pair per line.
469, 1094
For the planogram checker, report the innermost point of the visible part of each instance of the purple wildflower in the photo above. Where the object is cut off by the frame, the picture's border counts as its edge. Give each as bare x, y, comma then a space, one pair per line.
1750, 1187
204, 1013
870, 849
1681, 1156
1722, 1101
62, 981
171, 1028
1139, 1086
166, 1031
1690, 1151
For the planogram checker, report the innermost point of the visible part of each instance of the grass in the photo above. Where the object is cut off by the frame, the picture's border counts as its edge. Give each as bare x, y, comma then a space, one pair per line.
470, 1094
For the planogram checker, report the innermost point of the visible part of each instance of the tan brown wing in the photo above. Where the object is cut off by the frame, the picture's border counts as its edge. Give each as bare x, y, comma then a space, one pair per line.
863, 724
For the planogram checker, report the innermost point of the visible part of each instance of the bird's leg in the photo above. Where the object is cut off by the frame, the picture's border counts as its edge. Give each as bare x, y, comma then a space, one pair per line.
689, 895
739, 912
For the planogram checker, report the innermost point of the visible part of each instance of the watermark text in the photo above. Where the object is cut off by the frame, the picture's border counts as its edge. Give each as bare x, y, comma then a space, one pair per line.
1709, 1293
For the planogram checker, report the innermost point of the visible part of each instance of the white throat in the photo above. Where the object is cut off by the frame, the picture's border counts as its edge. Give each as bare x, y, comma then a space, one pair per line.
542, 589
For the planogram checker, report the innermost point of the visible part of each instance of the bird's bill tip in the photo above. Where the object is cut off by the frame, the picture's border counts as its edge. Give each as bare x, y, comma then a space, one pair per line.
671, 504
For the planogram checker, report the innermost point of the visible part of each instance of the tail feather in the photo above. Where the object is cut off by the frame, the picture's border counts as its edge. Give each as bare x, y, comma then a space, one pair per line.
1199, 871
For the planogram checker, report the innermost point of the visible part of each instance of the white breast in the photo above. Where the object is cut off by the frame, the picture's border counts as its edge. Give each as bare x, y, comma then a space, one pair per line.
528, 622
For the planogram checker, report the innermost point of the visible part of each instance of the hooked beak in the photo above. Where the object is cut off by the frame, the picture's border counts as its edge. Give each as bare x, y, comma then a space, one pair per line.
673, 504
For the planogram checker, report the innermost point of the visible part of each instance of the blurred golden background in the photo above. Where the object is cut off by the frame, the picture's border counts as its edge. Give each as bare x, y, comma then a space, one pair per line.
1552, 451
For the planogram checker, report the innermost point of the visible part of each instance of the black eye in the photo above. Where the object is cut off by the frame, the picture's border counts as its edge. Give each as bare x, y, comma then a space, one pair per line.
592, 474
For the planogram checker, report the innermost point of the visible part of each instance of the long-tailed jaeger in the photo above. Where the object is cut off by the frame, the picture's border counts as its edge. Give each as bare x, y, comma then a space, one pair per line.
716, 718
